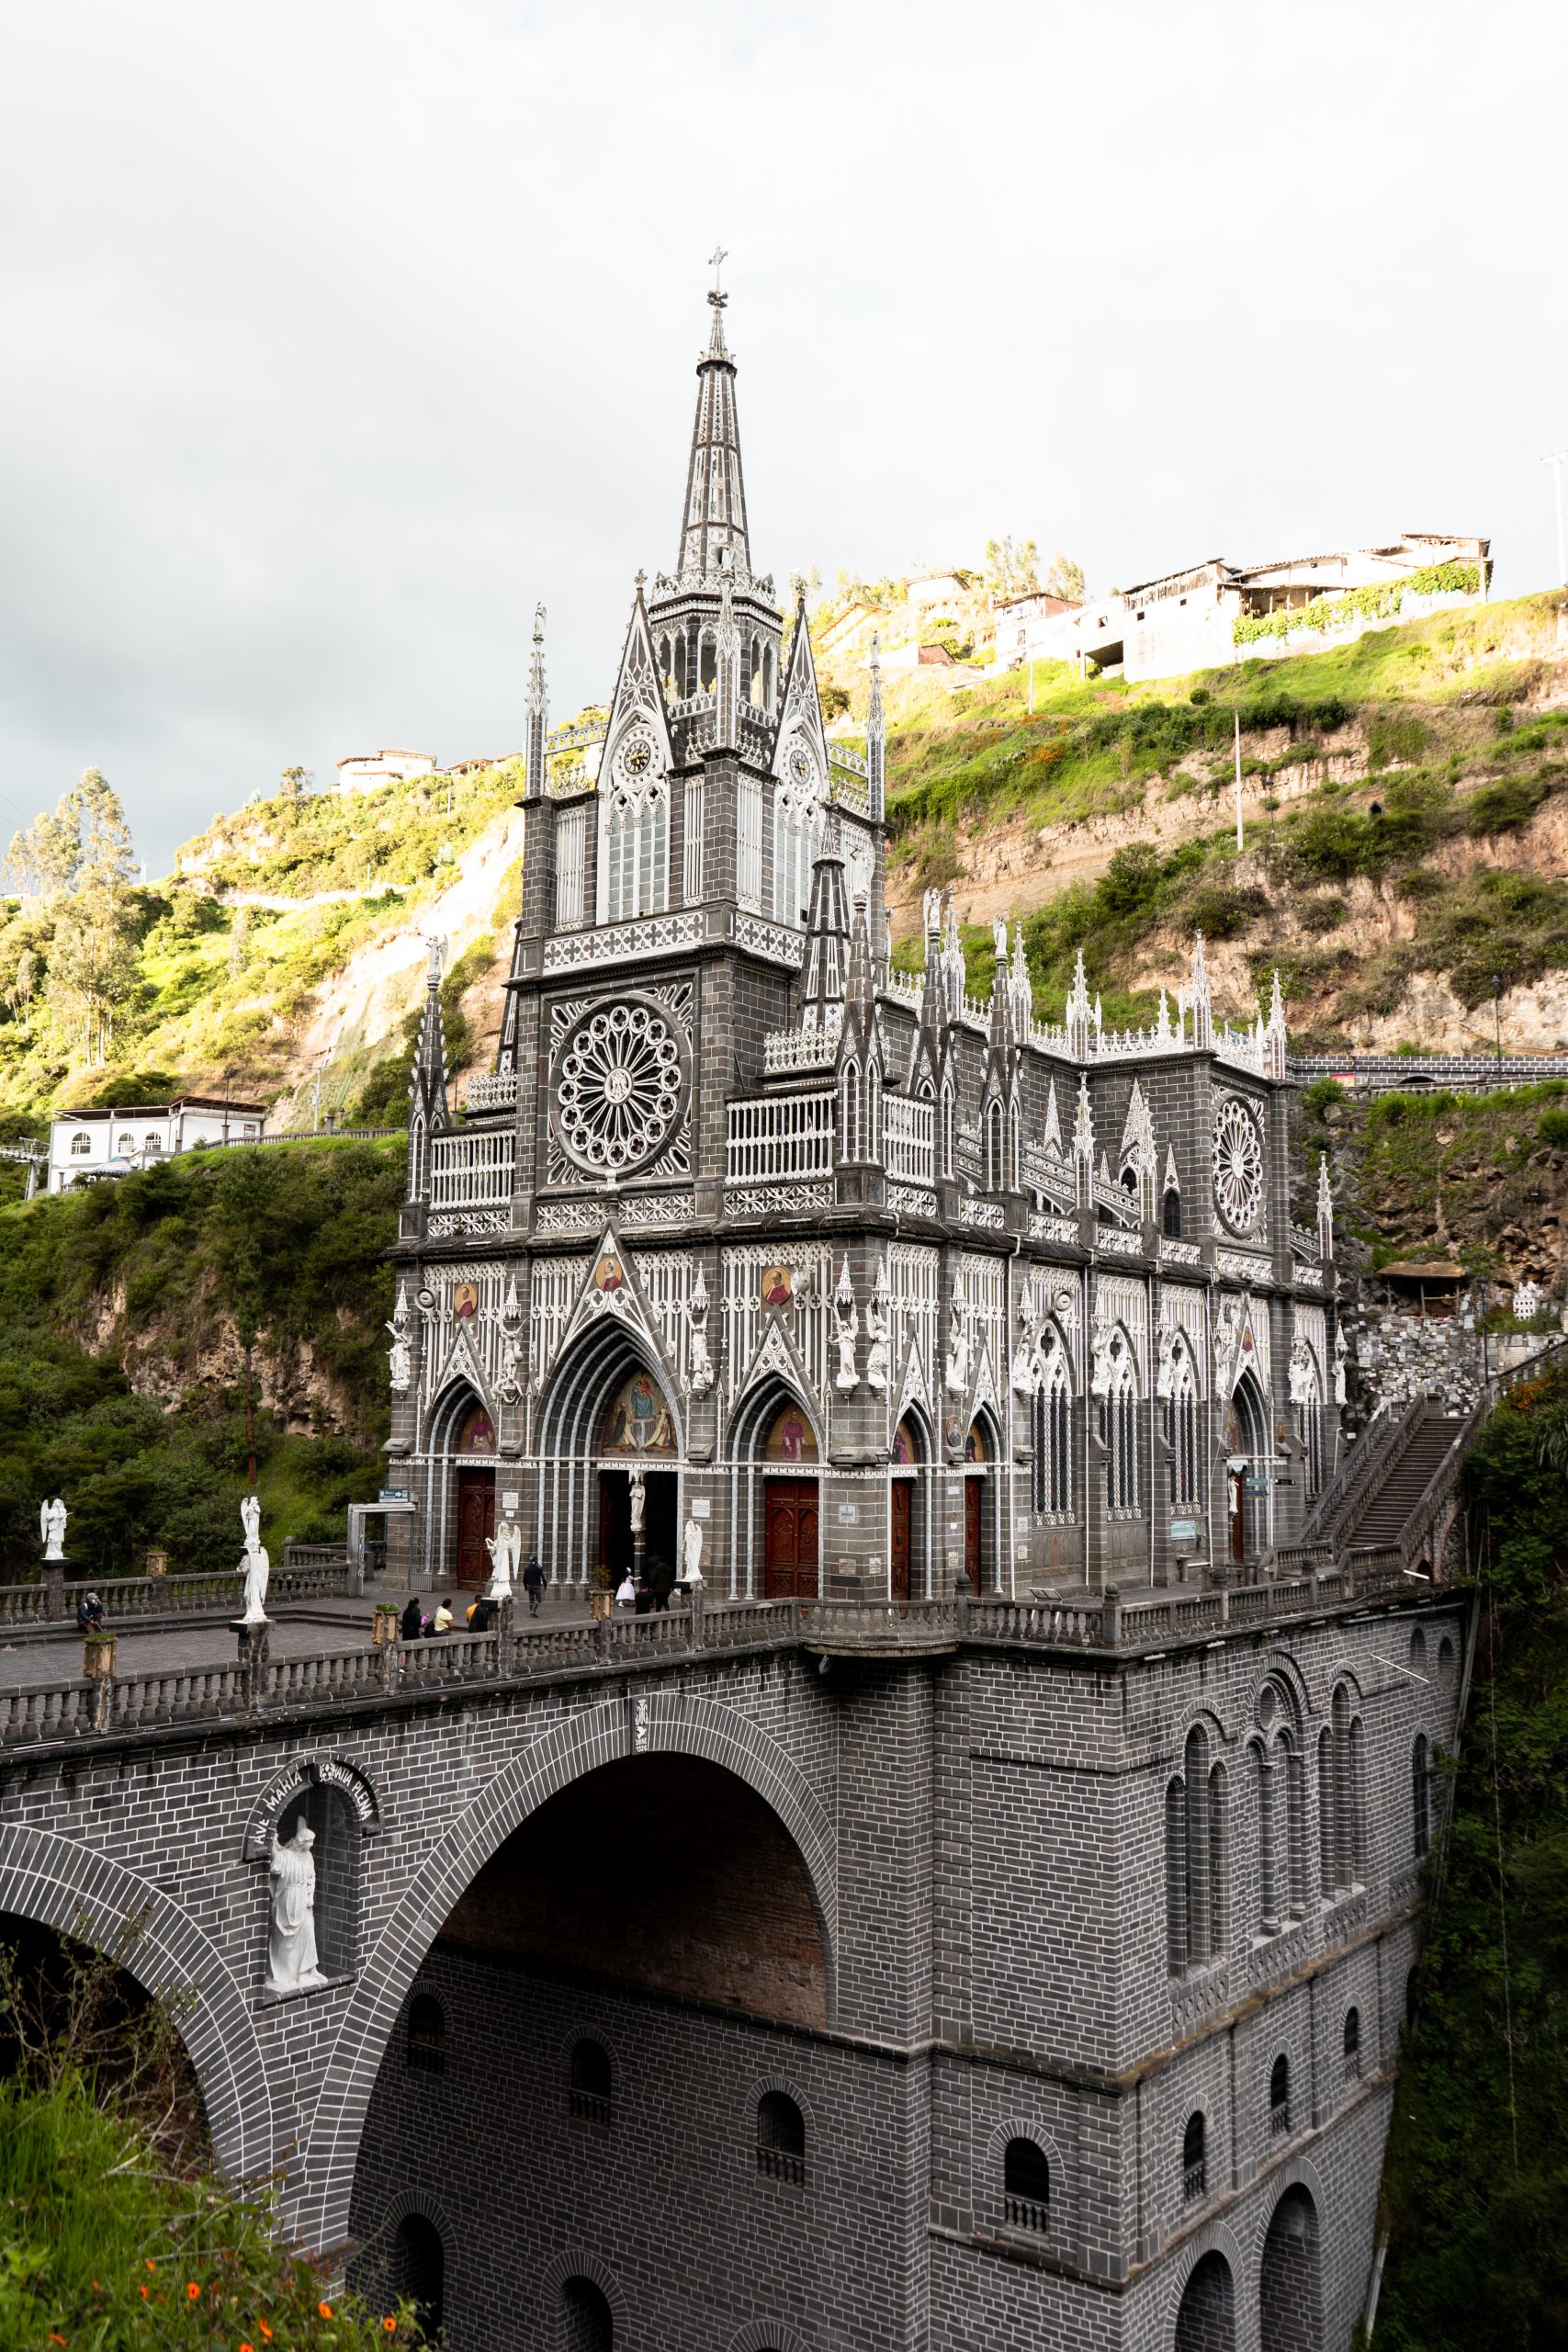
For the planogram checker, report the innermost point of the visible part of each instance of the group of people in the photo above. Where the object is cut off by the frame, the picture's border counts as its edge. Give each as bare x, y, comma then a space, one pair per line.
480, 1616
650, 1590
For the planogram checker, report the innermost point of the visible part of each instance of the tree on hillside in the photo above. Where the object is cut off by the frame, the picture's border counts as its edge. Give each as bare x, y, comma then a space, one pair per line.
20, 995
1009, 567
92, 970
84, 845
1065, 579
294, 784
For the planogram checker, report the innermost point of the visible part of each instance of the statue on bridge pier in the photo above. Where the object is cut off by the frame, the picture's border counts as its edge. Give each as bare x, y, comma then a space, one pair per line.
254, 1566
51, 1527
291, 1962
505, 1549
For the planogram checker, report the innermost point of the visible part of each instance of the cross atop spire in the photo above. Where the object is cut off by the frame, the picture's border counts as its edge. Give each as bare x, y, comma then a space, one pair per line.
712, 533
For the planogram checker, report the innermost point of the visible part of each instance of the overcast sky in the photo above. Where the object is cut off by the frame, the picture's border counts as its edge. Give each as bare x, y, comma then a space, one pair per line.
336, 333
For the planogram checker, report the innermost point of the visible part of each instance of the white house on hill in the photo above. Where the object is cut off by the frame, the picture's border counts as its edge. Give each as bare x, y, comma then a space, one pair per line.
87, 1146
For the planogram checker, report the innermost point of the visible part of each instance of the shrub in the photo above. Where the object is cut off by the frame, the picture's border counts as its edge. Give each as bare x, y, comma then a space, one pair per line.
1553, 1129
1396, 735
1502, 808
1132, 880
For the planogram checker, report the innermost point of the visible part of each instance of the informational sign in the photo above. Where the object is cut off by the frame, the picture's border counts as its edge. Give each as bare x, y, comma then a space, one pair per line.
1183, 1531
699, 1506
849, 1514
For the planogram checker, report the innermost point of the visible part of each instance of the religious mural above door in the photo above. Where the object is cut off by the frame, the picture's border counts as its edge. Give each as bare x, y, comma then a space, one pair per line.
477, 1433
639, 1420
465, 1302
609, 1276
790, 1438
778, 1285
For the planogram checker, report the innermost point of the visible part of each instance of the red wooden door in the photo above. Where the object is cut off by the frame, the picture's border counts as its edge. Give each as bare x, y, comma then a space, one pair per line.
476, 1520
974, 1510
789, 1541
903, 1489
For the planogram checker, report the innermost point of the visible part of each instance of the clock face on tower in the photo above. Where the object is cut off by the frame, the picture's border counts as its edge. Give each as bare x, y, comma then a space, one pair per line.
620, 1084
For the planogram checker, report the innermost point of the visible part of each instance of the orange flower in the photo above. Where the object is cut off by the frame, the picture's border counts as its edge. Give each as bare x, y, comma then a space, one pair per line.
142, 2292
265, 2330
55, 2339
151, 2266
325, 2309
247, 2348
390, 2325
192, 2289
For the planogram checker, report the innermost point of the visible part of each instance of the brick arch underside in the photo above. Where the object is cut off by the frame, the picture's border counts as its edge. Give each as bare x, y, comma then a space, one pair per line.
66, 1885
675, 1723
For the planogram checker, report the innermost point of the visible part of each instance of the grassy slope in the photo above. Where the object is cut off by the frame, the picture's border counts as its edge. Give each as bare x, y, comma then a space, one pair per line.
289, 1241
1475, 2188
1434, 704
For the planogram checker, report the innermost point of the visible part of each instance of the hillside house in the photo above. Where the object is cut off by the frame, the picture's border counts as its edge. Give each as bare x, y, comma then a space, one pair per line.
1198, 620
852, 631
372, 771
87, 1146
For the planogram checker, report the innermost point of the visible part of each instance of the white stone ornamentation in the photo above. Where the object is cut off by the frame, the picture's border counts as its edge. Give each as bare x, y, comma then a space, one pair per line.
1342, 1357
619, 1085
1303, 1373
877, 1362
1238, 1165
960, 1348
1228, 1344
698, 1335
505, 1549
638, 1498
399, 1355
291, 1961
692, 1550
254, 1566
51, 1528
846, 1331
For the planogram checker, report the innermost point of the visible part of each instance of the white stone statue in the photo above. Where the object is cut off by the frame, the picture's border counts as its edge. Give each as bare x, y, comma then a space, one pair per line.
846, 1331
640, 1501
51, 1527
1170, 1363
1227, 1341
505, 1549
691, 1549
1341, 1356
958, 1353
1103, 1332
254, 1566
876, 1329
399, 1363
697, 1322
1302, 1376
291, 1933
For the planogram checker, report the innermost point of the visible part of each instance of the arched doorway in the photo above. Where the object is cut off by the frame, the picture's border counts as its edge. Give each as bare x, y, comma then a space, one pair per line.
775, 1496
588, 2324
608, 1425
418, 2270
1246, 1471
1205, 2321
473, 1449
979, 1453
1288, 2313
907, 1517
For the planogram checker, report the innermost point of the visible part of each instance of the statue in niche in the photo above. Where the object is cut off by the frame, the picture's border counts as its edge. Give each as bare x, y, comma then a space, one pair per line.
51, 1528
846, 1331
697, 1333
958, 1353
640, 1501
691, 1549
291, 1964
876, 1361
254, 1566
399, 1363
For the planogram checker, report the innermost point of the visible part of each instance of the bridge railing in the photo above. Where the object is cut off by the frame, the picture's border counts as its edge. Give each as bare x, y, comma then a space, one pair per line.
127, 1599
75, 1707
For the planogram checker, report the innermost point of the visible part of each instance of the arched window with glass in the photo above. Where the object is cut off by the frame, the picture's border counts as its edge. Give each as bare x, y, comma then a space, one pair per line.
1119, 1429
1051, 1431
634, 834
1181, 1414
797, 824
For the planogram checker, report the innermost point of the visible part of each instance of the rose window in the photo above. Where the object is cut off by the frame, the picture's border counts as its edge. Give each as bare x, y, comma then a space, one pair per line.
618, 1088
1238, 1166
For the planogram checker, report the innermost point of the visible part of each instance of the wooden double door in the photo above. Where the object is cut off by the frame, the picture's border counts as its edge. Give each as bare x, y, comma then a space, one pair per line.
791, 1517
475, 1521
902, 1520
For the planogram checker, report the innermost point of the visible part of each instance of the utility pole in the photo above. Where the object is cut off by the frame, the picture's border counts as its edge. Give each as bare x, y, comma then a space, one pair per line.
1556, 461
1497, 1016
1240, 840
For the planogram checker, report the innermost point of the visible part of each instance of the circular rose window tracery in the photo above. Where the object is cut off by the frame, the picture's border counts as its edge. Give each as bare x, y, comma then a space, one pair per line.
1238, 1166
618, 1088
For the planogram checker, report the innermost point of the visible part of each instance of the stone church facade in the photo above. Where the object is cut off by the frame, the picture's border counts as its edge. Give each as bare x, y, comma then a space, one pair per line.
895, 1291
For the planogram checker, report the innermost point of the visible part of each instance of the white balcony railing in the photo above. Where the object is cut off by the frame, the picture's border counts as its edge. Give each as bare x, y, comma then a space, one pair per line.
786, 1134
908, 1139
790, 1049
492, 1091
472, 1172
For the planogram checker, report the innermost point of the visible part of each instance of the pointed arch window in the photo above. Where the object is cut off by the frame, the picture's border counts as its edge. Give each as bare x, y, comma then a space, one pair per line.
1171, 1213
748, 842
1341, 1798
634, 839
948, 1123
1279, 1815
1196, 1838
797, 825
996, 1170
1051, 1431
1119, 1429
849, 1114
1181, 1431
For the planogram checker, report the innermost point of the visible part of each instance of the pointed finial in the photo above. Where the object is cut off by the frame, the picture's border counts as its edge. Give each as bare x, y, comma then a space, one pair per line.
641, 579
539, 624
717, 260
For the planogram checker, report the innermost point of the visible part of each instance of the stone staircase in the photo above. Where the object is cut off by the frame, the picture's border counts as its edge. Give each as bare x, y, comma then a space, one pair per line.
1386, 1511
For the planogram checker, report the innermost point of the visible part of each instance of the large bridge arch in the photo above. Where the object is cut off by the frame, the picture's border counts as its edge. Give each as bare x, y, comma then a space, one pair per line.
671, 1722
68, 1886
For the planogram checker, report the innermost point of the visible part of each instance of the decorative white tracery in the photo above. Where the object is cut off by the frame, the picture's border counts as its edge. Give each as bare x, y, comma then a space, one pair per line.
635, 836
1238, 1165
618, 1088
797, 829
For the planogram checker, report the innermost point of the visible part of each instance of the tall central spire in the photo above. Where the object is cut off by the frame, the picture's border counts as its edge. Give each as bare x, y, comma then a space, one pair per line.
713, 536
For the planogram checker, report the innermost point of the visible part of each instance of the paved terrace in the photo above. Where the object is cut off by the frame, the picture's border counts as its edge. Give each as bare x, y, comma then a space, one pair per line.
327, 1659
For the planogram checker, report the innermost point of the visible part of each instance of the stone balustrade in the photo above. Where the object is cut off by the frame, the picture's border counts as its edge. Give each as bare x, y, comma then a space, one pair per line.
77, 1707
132, 1600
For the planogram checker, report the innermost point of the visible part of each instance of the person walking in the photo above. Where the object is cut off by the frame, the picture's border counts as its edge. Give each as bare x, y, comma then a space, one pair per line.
661, 1578
533, 1584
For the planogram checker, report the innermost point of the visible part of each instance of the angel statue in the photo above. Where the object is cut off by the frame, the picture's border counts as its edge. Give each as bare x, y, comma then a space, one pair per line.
255, 1568
51, 1527
291, 1958
505, 1549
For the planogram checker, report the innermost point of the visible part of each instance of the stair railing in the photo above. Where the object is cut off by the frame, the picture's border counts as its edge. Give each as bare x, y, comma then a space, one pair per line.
1423, 1513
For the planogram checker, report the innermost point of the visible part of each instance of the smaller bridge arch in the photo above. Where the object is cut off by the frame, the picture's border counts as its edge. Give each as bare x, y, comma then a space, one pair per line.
64, 1885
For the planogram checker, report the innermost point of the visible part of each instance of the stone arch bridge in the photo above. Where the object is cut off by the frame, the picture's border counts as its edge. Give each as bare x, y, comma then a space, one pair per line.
896, 1874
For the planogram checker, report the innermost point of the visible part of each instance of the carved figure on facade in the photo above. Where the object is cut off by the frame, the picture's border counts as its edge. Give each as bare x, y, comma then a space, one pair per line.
1169, 1364
1101, 1339
1341, 1358
960, 1348
1303, 1376
877, 1363
255, 1565
698, 1335
399, 1355
846, 1331
51, 1528
291, 1958
692, 1550
638, 1499
1228, 1344
505, 1549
